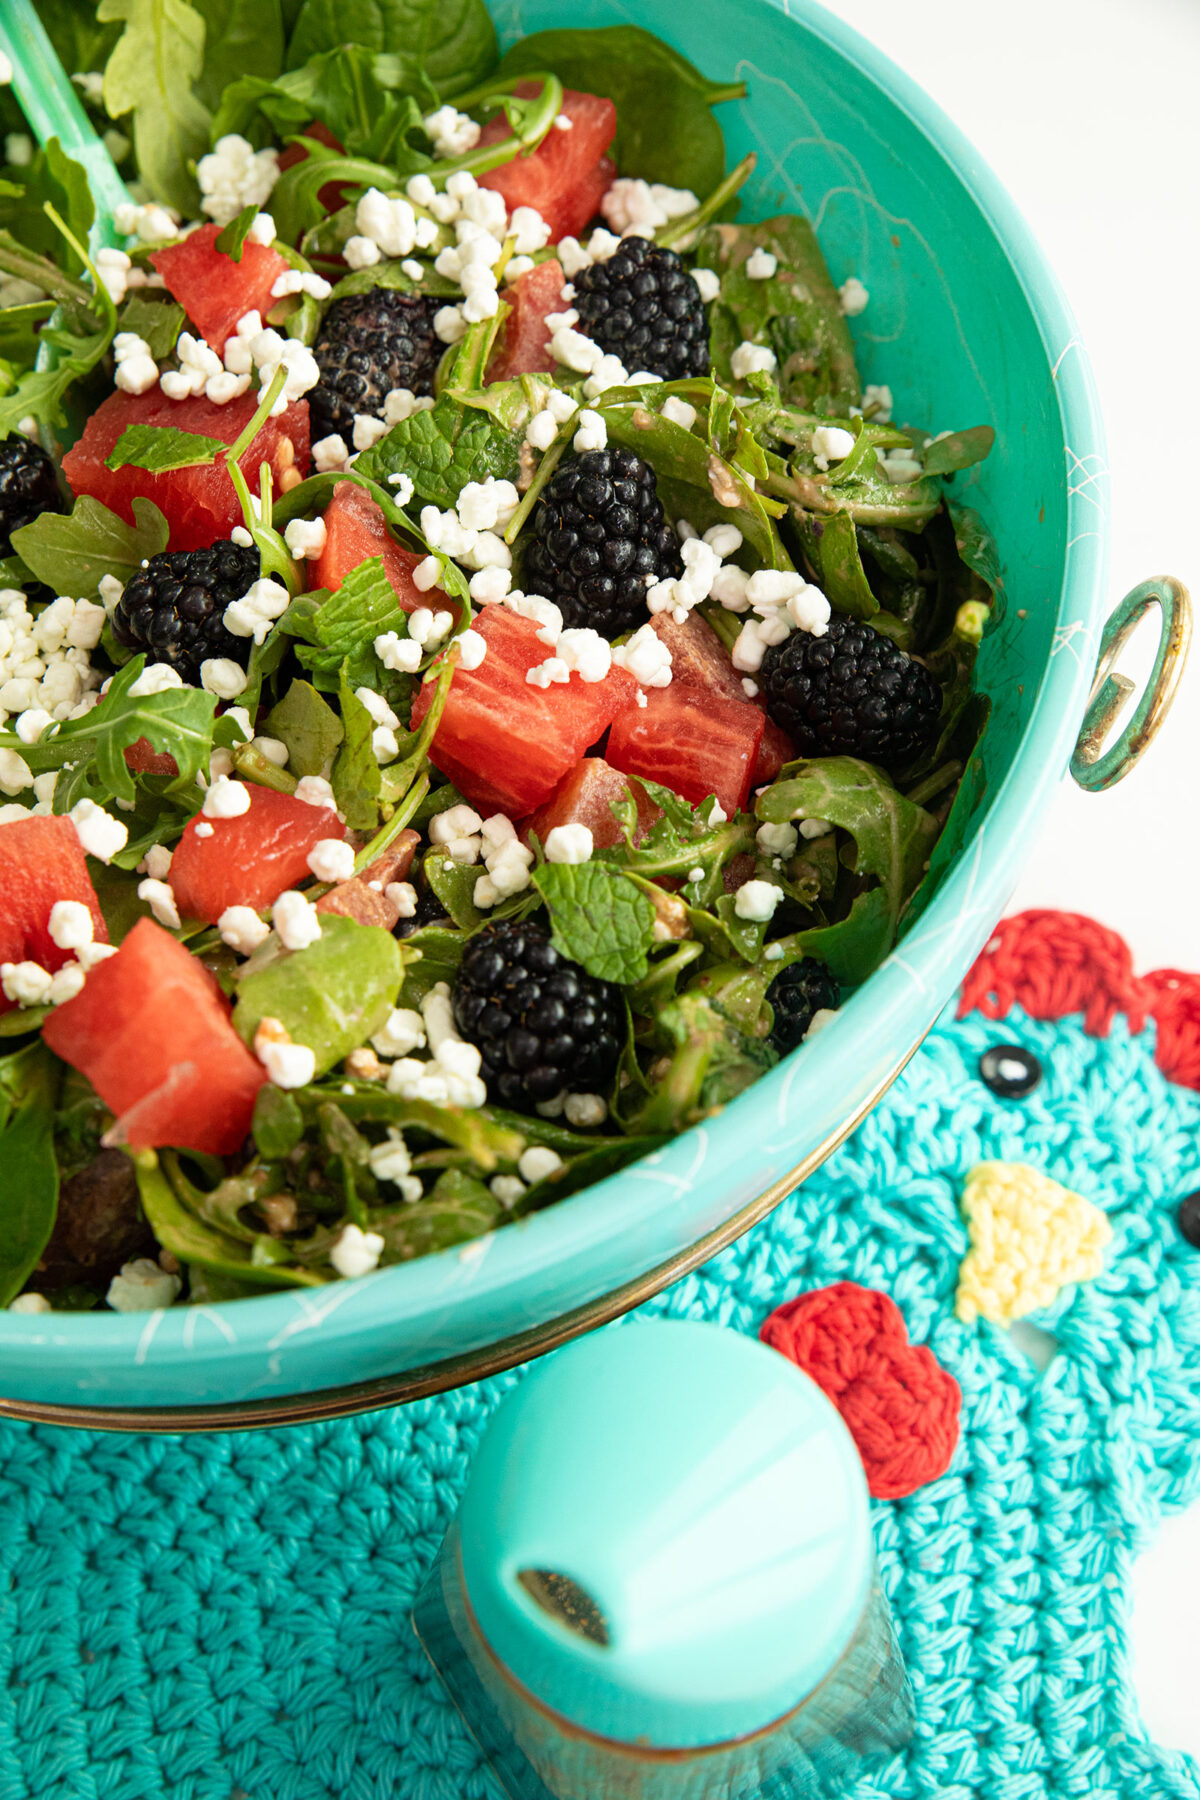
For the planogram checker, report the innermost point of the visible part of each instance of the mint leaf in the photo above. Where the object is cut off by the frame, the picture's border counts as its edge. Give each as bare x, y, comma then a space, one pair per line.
362, 609
308, 726
442, 449
151, 74
231, 241
70, 552
161, 448
332, 995
598, 919
157, 322
959, 450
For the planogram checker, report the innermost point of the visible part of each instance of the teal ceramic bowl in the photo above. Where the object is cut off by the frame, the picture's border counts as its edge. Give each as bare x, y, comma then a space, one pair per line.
966, 324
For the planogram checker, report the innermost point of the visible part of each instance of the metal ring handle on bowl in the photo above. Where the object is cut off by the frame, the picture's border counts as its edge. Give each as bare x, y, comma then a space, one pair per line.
1092, 766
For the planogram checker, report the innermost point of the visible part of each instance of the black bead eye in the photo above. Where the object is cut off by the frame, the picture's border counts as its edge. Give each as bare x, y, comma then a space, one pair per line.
1010, 1071
1189, 1219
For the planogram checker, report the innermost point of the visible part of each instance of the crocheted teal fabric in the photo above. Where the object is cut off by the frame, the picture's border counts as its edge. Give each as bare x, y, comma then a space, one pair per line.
228, 1617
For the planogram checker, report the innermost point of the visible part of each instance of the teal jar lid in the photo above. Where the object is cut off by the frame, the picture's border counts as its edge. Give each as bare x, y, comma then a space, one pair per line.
665, 1534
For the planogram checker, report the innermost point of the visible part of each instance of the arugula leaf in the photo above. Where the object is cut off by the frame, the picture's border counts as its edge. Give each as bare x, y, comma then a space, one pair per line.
893, 839
157, 322
665, 128
597, 918
278, 1123
239, 34
161, 448
795, 312
57, 178
711, 1060
330, 996
832, 547
231, 240
152, 74
959, 450
454, 885
70, 552
29, 1082
42, 392
360, 95
92, 749
19, 331
442, 449
308, 726
460, 1208
445, 46
194, 1241
356, 775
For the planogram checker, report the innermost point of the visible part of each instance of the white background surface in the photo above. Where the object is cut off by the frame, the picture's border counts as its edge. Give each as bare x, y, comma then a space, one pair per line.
1087, 111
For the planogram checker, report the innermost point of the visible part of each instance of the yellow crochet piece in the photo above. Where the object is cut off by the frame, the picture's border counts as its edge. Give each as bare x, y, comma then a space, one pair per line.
1029, 1238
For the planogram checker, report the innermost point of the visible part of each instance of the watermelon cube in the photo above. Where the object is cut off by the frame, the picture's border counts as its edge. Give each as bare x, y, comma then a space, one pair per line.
568, 174
41, 861
355, 531
692, 741
526, 346
212, 289
248, 860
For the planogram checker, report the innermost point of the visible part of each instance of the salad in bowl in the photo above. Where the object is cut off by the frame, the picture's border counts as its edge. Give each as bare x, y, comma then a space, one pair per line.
480, 677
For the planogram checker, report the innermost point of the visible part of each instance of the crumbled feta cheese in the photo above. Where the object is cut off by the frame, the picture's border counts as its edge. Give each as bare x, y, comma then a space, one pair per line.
401, 1032
585, 650
377, 706
634, 206
400, 404
403, 896
542, 429
254, 614
592, 433
226, 799
456, 822
815, 828
143, 1286
830, 443
272, 750
609, 372
299, 281
853, 296
89, 955
155, 678
15, 773
100, 834
544, 674
221, 676
296, 920
233, 176
484, 505
110, 590
577, 352
757, 900
679, 411
391, 1162
242, 929
356, 1252
584, 1110
751, 359
288, 1065
488, 586
361, 252
314, 790
472, 648
112, 267
569, 844
367, 430
877, 402
161, 901
29, 1302
709, 283
824, 1015
451, 133
646, 657
900, 467
156, 862
385, 746
449, 324
761, 265
537, 1163
25, 983
71, 924
398, 653
534, 606
776, 840
507, 1189
331, 859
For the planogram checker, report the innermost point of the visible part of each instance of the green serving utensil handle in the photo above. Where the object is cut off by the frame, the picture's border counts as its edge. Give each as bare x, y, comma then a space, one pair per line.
53, 109
1092, 766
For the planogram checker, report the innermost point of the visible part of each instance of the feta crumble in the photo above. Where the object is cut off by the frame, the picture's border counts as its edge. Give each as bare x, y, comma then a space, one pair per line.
296, 920
356, 1252
757, 900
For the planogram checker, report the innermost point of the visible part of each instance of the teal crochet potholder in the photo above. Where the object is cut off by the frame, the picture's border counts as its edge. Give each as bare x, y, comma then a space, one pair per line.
227, 1617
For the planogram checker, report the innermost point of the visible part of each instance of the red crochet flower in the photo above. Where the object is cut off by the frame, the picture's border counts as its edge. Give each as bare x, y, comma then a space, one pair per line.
900, 1404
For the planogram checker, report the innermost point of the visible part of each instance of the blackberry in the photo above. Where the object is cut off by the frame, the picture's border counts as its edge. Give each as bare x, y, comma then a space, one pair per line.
797, 992
597, 533
28, 486
174, 608
851, 693
430, 911
540, 1022
644, 306
369, 344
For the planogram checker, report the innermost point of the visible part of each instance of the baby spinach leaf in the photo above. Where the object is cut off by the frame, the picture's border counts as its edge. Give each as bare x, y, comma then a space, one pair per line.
442, 449
157, 322
795, 312
152, 74
360, 95
710, 1061
239, 34
308, 726
454, 885
278, 1123
438, 952
29, 1082
330, 996
892, 837
959, 450
161, 448
832, 547
70, 552
597, 918
445, 46
665, 127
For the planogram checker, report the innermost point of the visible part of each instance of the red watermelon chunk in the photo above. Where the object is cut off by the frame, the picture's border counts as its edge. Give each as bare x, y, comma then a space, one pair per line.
212, 289
526, 347
355, 531
568, 174
775, 749
700, 659
199, 504
151, 1031
691, 741
585, 796
41, 861
505, 743
251, 859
